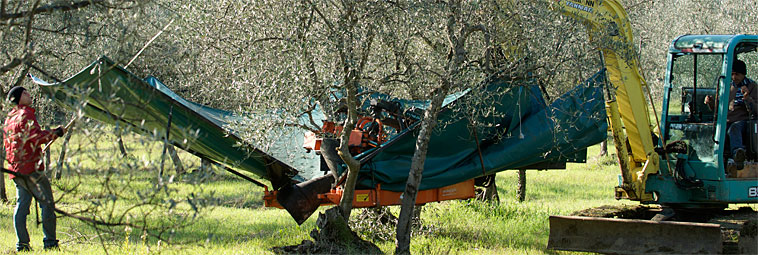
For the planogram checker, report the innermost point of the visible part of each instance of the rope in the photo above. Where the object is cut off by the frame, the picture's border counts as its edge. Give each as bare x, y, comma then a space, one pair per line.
245, 177
148, 43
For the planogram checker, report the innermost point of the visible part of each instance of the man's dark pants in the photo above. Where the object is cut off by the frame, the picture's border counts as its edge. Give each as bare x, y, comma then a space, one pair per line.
735, 131
36, 185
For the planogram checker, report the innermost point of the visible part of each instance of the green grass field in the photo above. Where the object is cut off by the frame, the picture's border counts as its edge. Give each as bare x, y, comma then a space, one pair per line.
237, 222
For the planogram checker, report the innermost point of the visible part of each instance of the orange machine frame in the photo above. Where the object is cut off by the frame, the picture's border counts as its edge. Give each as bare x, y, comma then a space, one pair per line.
379, 197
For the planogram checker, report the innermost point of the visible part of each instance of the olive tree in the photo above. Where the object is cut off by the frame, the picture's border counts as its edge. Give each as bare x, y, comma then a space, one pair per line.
53, 40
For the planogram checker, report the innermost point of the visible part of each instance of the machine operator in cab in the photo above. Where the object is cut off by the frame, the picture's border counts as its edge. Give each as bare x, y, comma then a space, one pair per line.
743, 97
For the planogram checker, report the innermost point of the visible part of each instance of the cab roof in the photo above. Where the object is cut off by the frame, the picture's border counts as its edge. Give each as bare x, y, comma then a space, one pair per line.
713, 43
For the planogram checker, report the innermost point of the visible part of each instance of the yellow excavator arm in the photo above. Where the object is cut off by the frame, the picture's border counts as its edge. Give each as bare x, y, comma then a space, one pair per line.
609, 30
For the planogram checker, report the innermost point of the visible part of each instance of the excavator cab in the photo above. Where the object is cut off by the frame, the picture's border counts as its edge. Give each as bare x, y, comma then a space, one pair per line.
695, 170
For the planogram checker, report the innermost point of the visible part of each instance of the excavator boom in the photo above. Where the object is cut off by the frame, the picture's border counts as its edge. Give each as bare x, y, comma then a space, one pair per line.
610, 30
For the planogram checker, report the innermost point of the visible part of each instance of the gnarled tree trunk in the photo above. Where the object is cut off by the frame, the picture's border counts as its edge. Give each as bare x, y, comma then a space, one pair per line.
175, 158
403, 237
521, 185
62, 156
121, 146
603, 148
457, 34
489, 189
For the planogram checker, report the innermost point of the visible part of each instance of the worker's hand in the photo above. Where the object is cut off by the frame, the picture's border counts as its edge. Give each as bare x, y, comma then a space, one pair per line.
59, 131
708, 99
745, 91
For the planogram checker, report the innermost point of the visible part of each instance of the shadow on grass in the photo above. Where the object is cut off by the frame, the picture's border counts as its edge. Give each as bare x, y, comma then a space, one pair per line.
210, 231
241, 202
203, 230
471, 225
488, 239
238, 198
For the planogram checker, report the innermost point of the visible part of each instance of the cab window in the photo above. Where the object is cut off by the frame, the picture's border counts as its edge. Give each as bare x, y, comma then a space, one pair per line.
693, 77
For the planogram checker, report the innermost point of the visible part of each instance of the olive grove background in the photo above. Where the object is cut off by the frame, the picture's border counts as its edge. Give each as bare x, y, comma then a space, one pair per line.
288, 55
230, 54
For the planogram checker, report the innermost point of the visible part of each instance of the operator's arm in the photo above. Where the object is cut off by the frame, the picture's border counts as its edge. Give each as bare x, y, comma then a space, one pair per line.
710, 102
750, 93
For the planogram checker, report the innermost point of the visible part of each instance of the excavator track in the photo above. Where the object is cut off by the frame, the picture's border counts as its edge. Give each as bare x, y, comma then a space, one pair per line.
708, 232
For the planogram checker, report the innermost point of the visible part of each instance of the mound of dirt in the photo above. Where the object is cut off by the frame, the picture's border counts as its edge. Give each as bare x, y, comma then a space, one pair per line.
750, 228
620, 211
331, 236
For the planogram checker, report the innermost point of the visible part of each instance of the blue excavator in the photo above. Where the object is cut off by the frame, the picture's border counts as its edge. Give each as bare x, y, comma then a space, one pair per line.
681, 160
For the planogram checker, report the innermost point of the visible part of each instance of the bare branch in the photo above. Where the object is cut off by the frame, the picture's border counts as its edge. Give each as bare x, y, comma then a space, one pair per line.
306, 127
309, 111
320, 14
28, 33
13, 64
48, 8
21, 76
273, 38
366, 49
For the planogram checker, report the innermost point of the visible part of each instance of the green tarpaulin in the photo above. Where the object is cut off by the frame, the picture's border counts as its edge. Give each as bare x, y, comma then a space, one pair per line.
528, 132
116, 96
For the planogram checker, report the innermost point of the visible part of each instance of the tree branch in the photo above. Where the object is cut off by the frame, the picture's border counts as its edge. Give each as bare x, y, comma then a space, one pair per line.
21, 76
326, 21
28, 33
310, 115
13, 64
274, 38
47, 9
302, 127
366, 49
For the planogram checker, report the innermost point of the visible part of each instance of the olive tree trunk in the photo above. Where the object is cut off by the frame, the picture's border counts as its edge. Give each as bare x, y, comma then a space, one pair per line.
403, 237
603, 148
175, 158
353, 58
62, 156
489, 192
353, 166
121, 146
521, 185
457, 32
